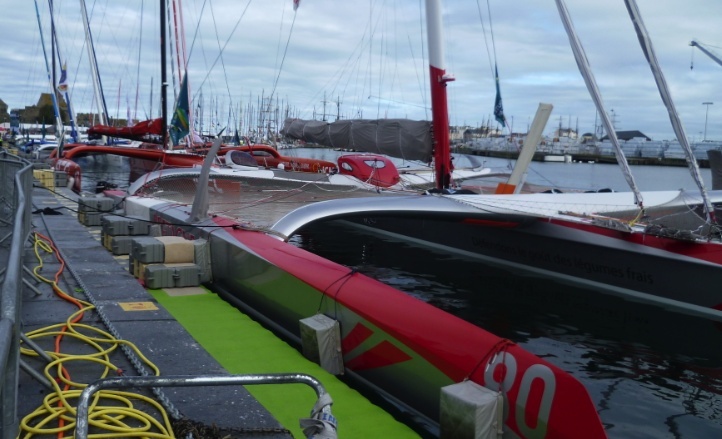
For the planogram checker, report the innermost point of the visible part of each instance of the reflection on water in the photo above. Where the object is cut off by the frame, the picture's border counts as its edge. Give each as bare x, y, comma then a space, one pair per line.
108, 168
652, 373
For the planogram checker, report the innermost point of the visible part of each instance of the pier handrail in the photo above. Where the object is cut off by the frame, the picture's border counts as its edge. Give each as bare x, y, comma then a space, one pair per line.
15, 214
321, 413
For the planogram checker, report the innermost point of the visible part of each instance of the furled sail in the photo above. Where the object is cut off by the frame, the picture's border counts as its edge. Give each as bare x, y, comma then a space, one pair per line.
145, 130
401, 138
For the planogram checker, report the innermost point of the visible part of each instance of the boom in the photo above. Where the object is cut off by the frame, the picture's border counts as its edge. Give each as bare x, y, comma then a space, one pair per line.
704, 50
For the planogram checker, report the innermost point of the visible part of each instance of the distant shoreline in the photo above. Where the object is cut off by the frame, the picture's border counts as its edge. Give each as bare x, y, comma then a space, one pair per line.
583, 157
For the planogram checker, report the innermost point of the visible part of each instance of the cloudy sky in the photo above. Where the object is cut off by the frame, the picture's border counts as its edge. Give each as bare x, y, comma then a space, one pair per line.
368, 59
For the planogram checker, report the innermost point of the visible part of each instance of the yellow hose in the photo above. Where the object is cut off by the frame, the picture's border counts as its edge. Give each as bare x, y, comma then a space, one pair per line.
112, 414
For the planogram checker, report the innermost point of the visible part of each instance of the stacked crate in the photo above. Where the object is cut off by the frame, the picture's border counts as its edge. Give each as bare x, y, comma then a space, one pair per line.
117, 232
158, 261
92, 209
169, 261
50, 178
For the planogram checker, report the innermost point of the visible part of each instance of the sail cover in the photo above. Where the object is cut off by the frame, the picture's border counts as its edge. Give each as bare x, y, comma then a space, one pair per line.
401, 138
144, 130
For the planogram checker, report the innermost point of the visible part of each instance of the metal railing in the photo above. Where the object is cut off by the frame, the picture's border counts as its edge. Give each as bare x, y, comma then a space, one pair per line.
322, 420
16, 183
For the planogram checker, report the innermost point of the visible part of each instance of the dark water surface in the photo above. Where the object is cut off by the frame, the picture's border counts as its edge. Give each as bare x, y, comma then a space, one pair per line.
652, 373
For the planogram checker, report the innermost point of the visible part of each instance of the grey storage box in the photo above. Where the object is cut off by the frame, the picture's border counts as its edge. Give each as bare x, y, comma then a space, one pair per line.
95, 204
120, 245
114, 225
60, 178
90, 218
138, 226
202, 258
172, 275
147, 250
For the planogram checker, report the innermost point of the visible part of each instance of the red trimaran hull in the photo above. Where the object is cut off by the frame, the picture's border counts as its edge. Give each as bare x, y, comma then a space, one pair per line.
153, 157
399, 344
390, 340
544, 401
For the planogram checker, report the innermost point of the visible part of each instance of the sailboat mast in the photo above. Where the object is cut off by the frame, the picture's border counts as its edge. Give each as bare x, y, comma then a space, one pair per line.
62, 86
591, 83
59, 128
664, 92
97, 86
163, 77
439, 104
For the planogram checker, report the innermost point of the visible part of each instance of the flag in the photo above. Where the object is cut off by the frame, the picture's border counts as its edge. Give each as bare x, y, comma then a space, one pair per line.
179, 123
295, 4
63, 84
498, 107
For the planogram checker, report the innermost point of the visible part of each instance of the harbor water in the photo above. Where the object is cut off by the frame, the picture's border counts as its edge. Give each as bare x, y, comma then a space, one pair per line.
652, 372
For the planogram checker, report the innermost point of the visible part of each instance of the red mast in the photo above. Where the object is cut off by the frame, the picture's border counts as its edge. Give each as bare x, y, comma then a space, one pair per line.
439, 105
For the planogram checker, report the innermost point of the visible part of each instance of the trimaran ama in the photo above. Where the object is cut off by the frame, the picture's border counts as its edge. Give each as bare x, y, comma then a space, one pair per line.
401, 348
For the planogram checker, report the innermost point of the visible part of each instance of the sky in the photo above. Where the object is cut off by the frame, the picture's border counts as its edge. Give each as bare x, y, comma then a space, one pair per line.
368, 60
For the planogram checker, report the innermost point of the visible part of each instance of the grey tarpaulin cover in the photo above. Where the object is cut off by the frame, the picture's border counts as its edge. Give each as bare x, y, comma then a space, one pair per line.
401, 138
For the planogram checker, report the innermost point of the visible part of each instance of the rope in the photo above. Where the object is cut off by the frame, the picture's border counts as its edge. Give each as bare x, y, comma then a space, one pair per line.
490, 356
220, 54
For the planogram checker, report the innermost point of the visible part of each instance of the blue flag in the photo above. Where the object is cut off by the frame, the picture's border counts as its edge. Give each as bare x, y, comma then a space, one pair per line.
179, 126
498, 107
63, 83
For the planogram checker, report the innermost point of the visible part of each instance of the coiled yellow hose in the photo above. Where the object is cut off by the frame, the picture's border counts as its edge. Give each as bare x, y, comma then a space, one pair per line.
112, 413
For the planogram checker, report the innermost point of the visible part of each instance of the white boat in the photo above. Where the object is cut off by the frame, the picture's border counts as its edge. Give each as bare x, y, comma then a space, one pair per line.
558, 158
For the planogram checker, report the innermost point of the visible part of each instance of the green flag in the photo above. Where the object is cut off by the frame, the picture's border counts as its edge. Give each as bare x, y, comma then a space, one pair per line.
179, 123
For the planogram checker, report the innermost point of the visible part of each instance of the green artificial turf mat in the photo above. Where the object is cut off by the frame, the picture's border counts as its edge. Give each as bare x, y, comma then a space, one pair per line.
243, 346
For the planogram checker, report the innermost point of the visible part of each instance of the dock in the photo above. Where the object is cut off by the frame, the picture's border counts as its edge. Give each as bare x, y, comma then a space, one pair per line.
584, 158
184, 332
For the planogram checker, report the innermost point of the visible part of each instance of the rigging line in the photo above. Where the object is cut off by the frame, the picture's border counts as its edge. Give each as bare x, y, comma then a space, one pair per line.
198, 26
423, 57
283, 59
243, 14
223, 63
491, 31
418, 80
379, 98
486, 42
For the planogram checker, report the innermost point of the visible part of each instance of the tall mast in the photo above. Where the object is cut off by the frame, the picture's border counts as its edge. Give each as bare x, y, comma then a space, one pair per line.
59, 129
439, 104
62, 86
591, 83
664, 92
97, 86
163, 78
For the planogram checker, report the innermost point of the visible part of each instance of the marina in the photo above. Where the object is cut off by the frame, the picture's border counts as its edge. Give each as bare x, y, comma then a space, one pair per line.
430, 280
626, 353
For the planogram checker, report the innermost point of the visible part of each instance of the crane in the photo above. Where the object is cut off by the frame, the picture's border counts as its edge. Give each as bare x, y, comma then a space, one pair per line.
706, 51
